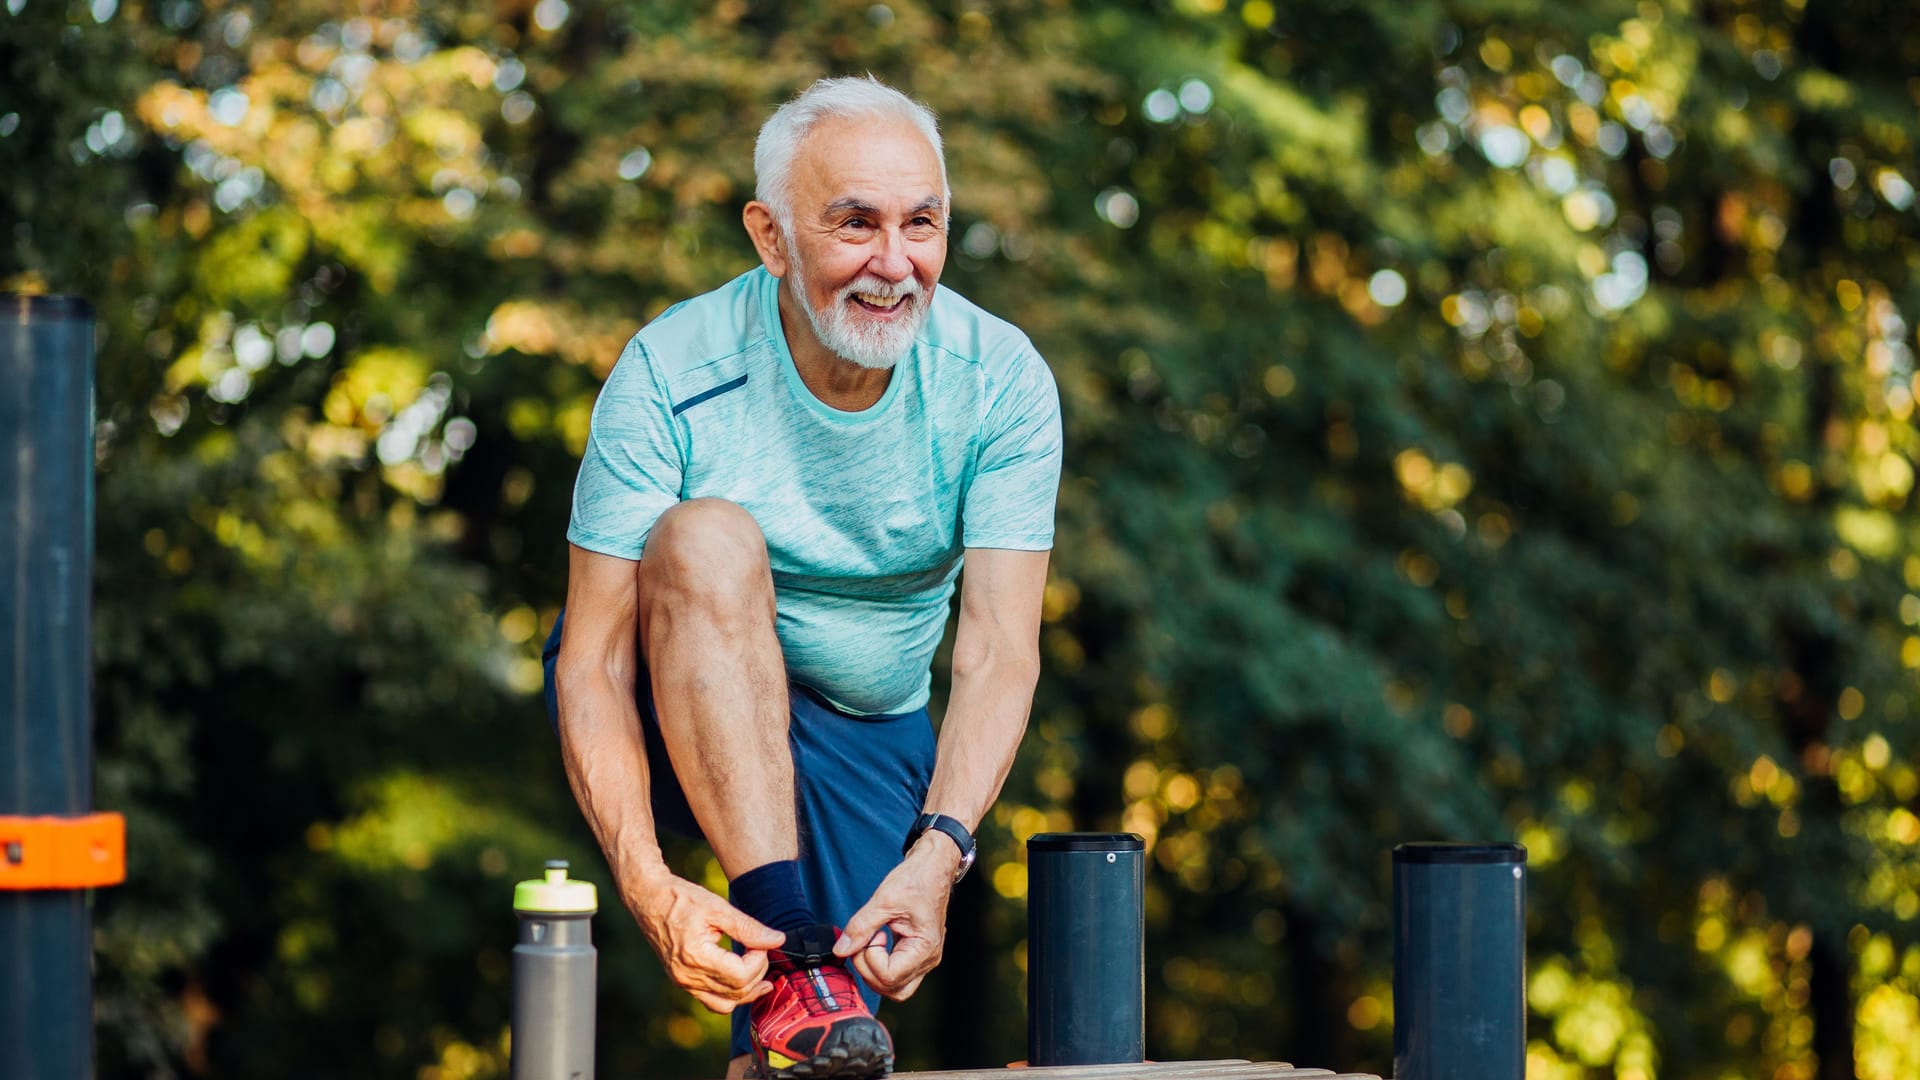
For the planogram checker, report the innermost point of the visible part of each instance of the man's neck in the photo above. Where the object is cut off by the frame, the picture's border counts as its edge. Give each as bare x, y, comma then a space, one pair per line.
833, 379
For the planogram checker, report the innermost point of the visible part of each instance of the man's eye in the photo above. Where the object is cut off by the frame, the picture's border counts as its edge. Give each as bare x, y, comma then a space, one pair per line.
855, 223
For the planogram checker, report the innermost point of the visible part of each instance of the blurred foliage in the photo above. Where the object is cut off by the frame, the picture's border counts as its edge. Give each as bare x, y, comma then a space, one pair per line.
1487, 421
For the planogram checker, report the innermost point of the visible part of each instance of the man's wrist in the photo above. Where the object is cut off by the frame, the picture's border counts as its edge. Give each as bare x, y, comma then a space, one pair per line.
649, 897
640, 876
957, 838
937, 848
935, 861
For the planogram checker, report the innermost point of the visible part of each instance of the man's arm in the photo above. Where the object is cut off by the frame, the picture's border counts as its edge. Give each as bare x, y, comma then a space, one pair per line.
606, 762
996, 662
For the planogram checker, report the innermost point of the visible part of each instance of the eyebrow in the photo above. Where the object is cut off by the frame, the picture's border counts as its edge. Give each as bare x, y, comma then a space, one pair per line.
846, 206
855, 206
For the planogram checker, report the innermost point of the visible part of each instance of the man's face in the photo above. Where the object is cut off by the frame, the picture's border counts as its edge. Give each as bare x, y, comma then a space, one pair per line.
868, 236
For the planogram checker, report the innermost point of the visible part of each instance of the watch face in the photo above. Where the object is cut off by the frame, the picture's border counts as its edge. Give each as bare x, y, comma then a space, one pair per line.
966, 863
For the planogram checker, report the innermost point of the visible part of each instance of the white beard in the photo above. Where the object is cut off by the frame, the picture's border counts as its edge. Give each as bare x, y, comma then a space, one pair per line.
868, 343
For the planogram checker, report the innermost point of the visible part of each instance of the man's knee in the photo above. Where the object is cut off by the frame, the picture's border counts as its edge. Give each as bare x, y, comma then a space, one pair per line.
710, 549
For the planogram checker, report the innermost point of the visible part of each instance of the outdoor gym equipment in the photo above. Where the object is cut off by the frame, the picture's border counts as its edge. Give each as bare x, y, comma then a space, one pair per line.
1086, 948
1459, 961
53, 850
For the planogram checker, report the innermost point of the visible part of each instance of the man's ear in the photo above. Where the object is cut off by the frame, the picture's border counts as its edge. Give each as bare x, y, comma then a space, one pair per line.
764, 230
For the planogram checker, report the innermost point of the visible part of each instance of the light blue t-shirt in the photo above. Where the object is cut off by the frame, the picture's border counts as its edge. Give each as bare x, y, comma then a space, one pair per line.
866, 514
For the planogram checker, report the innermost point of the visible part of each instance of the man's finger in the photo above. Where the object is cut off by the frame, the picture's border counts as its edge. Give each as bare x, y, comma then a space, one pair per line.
896, 974
862, 962
906, 991
899, 979
896, 986
713, 1002
759, 961
865, 925
878, 966
747, 930
909, 953
722, 986
732, 971
756, 968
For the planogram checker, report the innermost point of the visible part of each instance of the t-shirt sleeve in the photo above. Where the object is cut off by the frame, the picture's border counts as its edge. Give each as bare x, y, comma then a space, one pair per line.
1016, 481
632, 468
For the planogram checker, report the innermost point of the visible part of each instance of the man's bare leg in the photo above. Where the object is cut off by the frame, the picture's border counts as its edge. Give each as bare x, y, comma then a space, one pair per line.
706, 618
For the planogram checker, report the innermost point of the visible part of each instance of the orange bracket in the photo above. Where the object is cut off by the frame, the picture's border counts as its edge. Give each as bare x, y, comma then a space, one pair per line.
56, 852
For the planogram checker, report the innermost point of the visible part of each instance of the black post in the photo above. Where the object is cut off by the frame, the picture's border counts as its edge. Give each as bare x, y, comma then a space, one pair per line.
1459, 962
1086, 949
46, 759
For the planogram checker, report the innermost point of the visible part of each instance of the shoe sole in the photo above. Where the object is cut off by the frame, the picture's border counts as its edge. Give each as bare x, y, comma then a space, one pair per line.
852, 1052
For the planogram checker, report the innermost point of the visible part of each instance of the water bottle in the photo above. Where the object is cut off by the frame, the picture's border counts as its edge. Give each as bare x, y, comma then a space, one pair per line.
554, 969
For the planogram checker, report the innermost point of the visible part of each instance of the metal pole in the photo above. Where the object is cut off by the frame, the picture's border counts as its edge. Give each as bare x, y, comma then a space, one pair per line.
1086, 949
1459, 961
46, 736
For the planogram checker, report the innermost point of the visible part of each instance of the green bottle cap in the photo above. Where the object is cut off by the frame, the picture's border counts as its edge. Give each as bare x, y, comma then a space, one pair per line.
555, 892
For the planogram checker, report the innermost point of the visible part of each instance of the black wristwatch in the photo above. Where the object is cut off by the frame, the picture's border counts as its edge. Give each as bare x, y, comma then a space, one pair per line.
955, 831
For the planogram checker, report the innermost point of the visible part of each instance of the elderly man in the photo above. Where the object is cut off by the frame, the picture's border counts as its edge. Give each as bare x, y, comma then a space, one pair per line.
783, 479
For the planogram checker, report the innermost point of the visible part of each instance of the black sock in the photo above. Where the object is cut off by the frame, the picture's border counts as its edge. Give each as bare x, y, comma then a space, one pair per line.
774, 895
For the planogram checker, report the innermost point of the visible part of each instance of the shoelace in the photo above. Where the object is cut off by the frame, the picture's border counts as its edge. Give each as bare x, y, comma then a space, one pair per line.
828, 982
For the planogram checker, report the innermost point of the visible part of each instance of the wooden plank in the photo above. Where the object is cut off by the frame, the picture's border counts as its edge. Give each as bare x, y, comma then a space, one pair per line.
1250, 1071
1076, 1072
1222, 1069
1227, 1069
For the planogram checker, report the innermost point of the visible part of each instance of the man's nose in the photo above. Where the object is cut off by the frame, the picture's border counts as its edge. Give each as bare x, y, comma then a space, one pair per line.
890, 257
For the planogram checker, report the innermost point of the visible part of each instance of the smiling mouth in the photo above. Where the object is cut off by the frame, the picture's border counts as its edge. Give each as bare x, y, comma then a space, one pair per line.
879, 303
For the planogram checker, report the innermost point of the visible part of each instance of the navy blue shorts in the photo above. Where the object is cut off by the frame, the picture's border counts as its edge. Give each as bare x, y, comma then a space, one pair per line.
860, 780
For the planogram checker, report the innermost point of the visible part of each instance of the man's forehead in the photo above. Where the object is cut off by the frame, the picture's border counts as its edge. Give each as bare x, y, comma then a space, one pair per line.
870, 159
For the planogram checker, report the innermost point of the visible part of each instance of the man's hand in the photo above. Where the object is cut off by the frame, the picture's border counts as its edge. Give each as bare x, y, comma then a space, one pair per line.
686, 924
912, 902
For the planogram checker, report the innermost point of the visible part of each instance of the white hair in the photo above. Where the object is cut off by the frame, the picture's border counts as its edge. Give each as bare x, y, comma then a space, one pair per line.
782, 134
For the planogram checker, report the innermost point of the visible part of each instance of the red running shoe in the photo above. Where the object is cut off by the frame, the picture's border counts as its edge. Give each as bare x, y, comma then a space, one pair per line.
814, 1025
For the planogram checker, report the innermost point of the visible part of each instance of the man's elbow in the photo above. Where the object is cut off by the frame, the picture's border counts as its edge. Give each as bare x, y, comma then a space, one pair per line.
1008, 665
578, 674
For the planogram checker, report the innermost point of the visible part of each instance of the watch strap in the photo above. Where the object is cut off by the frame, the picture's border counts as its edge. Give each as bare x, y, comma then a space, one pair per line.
955, 831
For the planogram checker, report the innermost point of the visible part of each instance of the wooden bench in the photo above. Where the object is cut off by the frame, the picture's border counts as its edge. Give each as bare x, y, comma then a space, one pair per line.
1225, 1069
